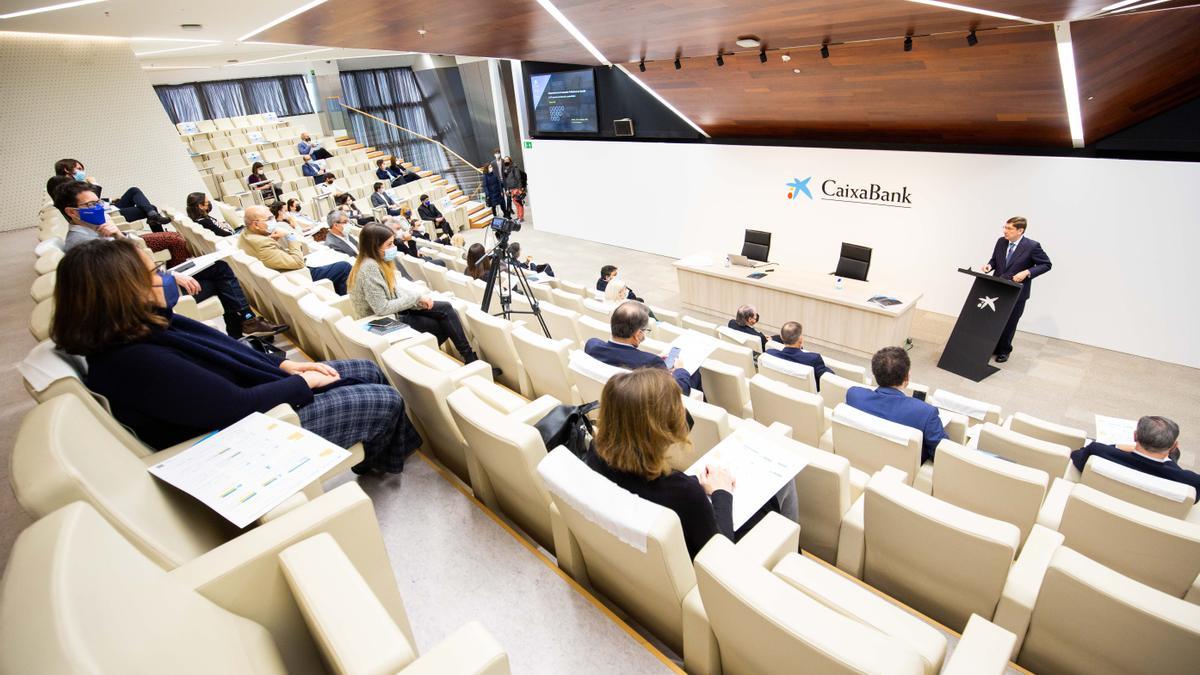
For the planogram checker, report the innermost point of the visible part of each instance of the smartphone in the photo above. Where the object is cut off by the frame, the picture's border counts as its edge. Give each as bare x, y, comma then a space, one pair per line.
671, 356
919, 394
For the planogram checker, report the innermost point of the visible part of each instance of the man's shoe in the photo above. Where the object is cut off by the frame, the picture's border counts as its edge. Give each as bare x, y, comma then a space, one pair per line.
260, 327
157, 218
1001, 358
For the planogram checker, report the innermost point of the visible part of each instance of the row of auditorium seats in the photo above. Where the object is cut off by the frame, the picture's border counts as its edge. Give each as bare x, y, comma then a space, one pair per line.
959, 548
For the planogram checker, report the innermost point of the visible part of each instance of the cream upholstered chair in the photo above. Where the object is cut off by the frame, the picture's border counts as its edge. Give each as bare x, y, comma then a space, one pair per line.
461, 286
435, 276
734, 355
666, 316
834, 388
726, 385
288, 295
567, 300
775, 401
414, 268
989, 486
710, 425
41, 318
357, 342
667, 331
543, 293
64, 453
793, 374
1015, 446
589, 375
43, 287
1072, 614
545, 362
320, 324
598, 309
871, 443
589, 328
48, 261
494, 336
78, 598
737, 337
1157, 494
1157, 550
942, 560
1047, 431
561, 322
572, 287
978, 411
856, 374
699, 325
502, 458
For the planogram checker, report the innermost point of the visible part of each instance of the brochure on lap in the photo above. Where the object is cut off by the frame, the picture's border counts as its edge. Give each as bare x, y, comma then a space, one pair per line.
1114, 430
759, 465
245, 470
201, 263
694, 348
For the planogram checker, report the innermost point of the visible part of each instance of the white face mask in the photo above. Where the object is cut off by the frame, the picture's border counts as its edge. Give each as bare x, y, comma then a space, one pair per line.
270, 226
496, 155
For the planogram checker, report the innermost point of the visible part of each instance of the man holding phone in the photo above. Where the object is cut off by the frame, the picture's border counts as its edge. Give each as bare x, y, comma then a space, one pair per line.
630, 324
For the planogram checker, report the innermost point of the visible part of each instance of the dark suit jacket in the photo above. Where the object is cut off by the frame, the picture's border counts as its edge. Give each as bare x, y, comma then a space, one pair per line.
802, 357
627, 356
341, 245
311, 169
895, 405
748, 330
1168, 469
1027, 256
382, 174
382, 199
429, 212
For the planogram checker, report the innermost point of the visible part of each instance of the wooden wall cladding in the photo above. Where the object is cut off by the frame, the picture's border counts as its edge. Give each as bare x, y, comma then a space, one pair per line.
1135, 66
1005, 90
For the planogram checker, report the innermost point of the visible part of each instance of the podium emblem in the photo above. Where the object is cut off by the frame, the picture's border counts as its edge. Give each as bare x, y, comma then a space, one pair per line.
988, 302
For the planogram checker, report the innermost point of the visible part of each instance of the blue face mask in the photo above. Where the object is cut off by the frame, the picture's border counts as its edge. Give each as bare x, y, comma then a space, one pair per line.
170, 288
80, 175
92, 215
390, 254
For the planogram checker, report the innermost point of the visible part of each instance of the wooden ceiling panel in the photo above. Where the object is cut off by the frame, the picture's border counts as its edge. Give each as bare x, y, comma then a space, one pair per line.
1134, 66
511, 29
1005, 90
1041, 10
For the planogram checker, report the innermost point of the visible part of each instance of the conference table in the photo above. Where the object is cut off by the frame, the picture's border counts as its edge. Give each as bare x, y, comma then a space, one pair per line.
838, 318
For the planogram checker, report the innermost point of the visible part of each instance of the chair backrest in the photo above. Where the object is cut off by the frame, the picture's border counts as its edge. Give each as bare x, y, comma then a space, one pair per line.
854, 262
357, 343
700, 325
48, 261
796, 375
834, 388
414, 268
460, 285
737, 337
856, 374
77, 597
942, 560
802, 410
507, 453
1017, 447
598, 309
589, 375
735, 355
41, 318
545, 362
561, 322
871, 443
823, 497
43, 286
435, 276
1047, 431
64, 454
567, 300
1157, 550
589, 328
989, 486
765, 625
1151, 492
710, 425
1091, 619
979, 411
633, 550
320, 321
496, 347
571, 287
726, 386
542, 292
757, 245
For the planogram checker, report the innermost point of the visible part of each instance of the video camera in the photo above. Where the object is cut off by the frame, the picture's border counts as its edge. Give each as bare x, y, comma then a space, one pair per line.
505, 225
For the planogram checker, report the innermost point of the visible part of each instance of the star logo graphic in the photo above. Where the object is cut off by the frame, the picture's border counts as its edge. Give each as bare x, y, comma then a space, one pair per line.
990, 303
797, 186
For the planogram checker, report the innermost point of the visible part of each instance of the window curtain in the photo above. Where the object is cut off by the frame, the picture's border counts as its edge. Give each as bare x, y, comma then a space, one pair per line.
181, 103
284, 96
393, 94
224, 99
295, 94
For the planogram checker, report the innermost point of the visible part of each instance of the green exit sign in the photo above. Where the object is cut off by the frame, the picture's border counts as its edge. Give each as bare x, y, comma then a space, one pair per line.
528, 145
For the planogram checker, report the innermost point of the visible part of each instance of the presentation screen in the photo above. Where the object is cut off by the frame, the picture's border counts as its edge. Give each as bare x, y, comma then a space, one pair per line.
564, 102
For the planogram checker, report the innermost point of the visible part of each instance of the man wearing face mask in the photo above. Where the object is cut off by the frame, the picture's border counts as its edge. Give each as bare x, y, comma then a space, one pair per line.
283, 251
133, 204
307, 147
427, 211
82, 208
314, 170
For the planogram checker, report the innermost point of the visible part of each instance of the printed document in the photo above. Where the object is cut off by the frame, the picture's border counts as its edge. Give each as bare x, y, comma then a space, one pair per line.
759, 464
200, 263
694, 348
1114, 430
245, 470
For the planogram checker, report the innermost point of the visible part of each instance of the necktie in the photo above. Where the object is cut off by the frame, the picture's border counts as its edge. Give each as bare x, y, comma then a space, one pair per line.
1011, 246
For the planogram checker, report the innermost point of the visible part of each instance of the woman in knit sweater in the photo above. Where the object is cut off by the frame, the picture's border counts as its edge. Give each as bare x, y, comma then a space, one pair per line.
376, 290
169, 378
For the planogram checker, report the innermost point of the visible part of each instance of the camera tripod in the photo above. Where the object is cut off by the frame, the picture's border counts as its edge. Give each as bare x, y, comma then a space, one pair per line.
501, 259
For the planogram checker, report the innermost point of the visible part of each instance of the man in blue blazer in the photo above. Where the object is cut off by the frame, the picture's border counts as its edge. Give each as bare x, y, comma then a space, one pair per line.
629, 324
1020, 259
792, 336
890, 366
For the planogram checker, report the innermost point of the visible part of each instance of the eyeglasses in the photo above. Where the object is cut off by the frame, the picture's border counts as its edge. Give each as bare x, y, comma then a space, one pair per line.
90, 204
647, 330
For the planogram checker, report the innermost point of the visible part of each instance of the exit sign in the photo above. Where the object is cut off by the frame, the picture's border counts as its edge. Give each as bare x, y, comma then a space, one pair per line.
528, 145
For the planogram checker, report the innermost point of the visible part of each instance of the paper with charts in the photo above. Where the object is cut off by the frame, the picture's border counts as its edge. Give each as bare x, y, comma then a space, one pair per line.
694, 348
1114, 430
759, 465
249, 468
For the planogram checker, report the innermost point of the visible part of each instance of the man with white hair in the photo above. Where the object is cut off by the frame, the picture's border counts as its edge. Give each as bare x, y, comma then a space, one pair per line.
283, 251
337, 238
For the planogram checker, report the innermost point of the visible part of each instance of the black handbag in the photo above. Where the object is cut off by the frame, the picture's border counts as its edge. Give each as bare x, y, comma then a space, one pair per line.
265, 348
568, 426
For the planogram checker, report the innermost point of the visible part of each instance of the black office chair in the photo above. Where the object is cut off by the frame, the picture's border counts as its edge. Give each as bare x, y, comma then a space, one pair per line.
757, 245
854, 262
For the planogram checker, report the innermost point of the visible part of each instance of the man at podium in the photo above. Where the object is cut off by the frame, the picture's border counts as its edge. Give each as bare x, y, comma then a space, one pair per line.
1020, 259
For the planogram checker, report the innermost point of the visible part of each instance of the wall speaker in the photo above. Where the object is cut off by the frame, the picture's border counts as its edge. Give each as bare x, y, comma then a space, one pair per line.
623, 127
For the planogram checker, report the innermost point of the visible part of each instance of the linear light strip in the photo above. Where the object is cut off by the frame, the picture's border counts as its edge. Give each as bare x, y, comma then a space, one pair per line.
974, 10
295, 12
174, 49
282, 56
575, 32
49, 8
172, 39
177, 67
1066, 63
1117, 5
663, 101
1137, 7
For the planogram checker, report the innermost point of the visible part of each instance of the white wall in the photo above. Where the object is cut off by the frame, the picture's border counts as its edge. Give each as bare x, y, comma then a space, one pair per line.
84, 98
1121, 234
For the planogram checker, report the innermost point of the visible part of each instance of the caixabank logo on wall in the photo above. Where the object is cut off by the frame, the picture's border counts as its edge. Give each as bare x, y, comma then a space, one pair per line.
834, 190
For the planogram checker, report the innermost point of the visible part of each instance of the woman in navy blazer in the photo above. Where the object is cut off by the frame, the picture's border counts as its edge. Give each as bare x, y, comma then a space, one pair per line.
1025, 261
169, 378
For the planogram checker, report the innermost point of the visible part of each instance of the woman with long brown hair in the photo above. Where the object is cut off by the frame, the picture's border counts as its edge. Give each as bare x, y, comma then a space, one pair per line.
375, 290
169, 378
478, 262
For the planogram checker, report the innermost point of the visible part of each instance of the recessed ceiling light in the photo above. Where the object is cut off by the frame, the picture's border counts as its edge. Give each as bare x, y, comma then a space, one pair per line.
785, 58
1070, 82
796, 71
421, 31
295, 12
1091, 98
747, 42
49, 8
973, 10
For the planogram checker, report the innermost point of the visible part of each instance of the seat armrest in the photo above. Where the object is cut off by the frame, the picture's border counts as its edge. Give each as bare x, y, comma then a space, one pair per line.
852, 539
475, 369
284, 413
348, 623
983, 649
770, 540
1193, 594
1025, 582
701, 654
780, 429
566, 547
470, 650
858, 483
290, 504
1055, 503
535, 410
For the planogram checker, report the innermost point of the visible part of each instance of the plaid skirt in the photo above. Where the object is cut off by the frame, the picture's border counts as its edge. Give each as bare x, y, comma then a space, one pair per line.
371, 414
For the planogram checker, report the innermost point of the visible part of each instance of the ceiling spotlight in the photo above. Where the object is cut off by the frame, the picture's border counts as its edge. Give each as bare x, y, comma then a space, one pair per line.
785, 58
642, 65
824, 51
762, 56
720, 59
796, 71
747, 42
972, 40
677, 64
422, 31
908, 43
